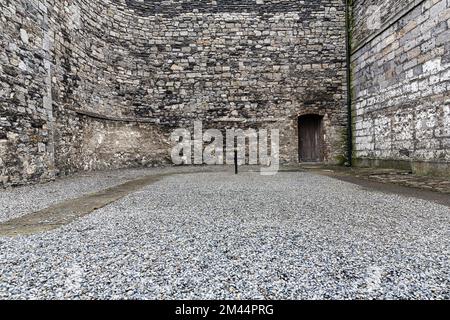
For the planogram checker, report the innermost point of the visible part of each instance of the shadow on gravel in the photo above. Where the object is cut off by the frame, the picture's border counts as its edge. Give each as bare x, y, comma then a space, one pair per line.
385, 186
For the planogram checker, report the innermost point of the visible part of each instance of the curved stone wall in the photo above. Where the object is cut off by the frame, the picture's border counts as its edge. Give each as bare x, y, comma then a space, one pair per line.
157, 65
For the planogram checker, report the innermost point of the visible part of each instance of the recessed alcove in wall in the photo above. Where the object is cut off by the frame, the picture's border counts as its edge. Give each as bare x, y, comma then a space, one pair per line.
310, 138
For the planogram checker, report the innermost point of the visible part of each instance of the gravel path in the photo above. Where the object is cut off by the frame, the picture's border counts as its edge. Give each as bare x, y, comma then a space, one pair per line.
27, 199
216, 235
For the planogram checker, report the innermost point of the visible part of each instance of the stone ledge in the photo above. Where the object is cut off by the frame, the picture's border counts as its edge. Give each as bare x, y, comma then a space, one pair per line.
420, 168
99, 116
392, 178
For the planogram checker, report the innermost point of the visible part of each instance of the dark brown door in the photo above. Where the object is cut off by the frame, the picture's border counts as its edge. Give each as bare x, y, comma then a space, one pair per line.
309, 135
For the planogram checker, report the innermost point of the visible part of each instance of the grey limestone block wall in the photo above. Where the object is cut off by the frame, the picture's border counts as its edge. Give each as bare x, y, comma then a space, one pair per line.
87, 142
26, 133
231, 63
401, 86
71, 68
370, 15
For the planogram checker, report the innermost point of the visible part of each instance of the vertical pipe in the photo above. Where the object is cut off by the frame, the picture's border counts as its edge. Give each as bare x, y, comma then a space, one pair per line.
348, 7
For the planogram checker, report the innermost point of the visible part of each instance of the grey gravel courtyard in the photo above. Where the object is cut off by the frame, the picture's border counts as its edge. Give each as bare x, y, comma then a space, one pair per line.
214, 235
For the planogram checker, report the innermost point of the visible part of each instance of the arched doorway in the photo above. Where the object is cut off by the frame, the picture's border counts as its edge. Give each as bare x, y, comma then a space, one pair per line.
310, 138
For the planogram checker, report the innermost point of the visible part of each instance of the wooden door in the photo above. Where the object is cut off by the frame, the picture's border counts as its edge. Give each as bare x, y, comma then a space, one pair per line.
309, 131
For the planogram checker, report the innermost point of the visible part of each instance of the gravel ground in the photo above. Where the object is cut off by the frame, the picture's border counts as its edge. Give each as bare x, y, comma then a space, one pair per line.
27, 199
216, 235
22, 200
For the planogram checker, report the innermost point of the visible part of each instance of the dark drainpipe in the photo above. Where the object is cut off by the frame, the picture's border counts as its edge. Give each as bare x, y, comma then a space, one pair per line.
348, 5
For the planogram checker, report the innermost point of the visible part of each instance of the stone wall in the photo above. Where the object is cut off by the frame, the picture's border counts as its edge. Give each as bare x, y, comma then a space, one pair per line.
88, 142
401, 85
227, 63
370, 15
26, 134
138, 69
141, 68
